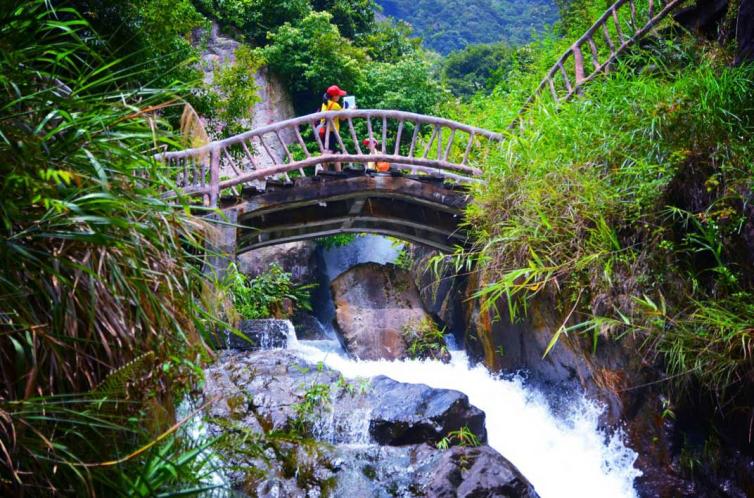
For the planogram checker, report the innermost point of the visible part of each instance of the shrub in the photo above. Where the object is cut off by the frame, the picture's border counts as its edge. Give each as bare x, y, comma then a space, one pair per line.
266, 295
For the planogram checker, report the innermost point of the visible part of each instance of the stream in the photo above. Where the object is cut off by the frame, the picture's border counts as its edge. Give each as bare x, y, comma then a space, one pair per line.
553, 438
562, 454
561, 451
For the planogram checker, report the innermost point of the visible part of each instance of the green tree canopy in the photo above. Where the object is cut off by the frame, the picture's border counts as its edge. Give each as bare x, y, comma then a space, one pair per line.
311, 56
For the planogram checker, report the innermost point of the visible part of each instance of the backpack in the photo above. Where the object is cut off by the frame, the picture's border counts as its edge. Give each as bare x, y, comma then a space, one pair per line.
320, 128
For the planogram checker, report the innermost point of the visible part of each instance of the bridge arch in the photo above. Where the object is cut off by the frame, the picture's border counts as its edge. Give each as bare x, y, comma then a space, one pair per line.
421, 211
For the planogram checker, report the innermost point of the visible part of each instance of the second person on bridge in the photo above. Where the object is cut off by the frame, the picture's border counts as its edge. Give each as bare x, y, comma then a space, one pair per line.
330, 102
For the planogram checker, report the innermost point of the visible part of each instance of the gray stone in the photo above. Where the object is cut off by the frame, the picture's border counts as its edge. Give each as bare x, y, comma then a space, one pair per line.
415, 413
296, 258
259, 391
477, 472
374, 306
262, 334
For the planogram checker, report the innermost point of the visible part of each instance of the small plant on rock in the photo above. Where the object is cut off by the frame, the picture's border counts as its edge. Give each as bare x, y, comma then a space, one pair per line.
425, 340
462, 437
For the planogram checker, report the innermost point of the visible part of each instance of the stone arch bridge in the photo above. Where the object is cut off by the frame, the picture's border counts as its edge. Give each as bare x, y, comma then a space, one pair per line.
274, 185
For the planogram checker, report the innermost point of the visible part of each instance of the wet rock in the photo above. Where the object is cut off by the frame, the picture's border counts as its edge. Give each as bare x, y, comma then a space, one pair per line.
260, 334
308, 328
423, 470
443, 293
374, 305
477, 472
415, 413
296, 258
257, 393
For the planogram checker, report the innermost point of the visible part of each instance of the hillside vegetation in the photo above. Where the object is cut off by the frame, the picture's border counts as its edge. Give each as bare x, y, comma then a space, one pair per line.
449, 25
630, 207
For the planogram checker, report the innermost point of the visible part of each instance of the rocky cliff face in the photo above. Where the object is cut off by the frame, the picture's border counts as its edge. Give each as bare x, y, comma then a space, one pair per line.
629, 385
275, 104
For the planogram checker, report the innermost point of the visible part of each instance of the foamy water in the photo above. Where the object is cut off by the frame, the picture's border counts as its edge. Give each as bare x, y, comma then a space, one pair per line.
563, 455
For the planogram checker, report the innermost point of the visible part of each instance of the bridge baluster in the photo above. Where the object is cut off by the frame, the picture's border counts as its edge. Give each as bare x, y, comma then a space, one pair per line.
370, 132
595, 54
182, 164
609, 40
634, 24
413, 138
353, 137
468, 149
285, 146
214, 176
384, 134
328, 129
249, 155
439, 142
553, 92
317, 138
300, 141
578, 63
566, 80
616, 23
431, 141
267, 149
450, 144
398, 138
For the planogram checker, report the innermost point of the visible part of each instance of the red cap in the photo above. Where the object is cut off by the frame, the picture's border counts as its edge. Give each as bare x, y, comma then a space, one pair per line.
335, 90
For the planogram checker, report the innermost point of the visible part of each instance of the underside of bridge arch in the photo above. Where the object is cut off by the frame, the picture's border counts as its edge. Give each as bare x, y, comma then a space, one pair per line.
421, 210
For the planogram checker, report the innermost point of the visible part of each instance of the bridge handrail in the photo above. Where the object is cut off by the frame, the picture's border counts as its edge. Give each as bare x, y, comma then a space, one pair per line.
327, 116
572, 85
266, 152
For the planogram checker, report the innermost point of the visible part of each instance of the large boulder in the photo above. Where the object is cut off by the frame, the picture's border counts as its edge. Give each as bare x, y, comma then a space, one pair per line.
477, 472
374, 306
296, 258
423, 470
256, 396
415, 413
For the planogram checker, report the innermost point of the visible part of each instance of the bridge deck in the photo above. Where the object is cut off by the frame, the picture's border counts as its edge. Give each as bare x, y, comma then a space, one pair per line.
421, 210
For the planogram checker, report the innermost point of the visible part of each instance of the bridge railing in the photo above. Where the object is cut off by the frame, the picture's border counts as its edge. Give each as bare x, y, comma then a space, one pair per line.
619, 27
414, 142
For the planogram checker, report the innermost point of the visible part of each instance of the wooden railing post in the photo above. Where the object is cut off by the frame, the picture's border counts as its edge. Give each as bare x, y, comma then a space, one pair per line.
214, 176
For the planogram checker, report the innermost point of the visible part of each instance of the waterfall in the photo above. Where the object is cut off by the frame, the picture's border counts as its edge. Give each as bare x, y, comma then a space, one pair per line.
564, 454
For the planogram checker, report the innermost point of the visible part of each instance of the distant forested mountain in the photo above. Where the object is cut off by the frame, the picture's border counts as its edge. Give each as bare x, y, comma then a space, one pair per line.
448, 25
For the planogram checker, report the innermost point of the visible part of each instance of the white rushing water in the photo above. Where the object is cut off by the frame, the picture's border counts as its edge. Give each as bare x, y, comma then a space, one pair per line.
563, 455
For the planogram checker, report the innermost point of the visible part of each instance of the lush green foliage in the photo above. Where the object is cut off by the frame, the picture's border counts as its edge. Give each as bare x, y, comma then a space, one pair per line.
477, 68
587, 203
255, 19
96, 269
407, 85
266, 295
449, 25
237, 89
154, 35
311, 55
342, 239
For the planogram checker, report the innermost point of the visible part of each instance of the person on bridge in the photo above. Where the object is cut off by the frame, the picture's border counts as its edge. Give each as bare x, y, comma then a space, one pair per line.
330, 103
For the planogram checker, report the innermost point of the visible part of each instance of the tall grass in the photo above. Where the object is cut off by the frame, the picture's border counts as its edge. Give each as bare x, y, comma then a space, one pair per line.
576, 204
94, 268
